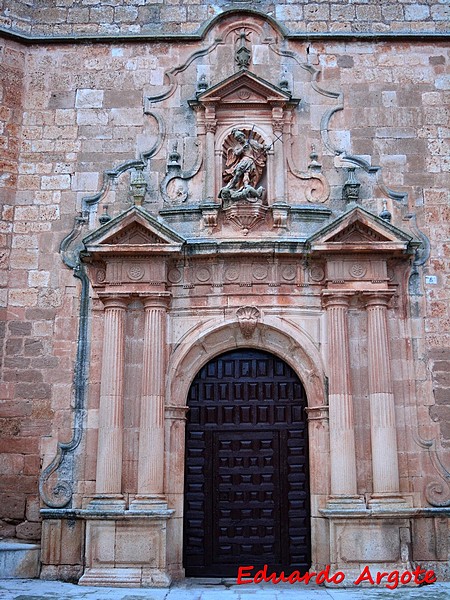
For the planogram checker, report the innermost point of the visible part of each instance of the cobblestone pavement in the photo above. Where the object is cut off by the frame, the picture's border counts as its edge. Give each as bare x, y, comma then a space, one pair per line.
35, 589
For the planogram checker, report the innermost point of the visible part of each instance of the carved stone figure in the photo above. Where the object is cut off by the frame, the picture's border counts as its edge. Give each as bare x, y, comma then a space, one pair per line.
244, 167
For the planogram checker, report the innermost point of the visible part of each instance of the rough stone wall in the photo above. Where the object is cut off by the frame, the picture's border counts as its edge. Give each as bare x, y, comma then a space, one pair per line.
16, 15
62, 17
19, 440
82, 113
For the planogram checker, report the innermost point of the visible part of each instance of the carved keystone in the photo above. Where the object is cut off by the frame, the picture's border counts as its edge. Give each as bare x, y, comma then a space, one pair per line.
248, 317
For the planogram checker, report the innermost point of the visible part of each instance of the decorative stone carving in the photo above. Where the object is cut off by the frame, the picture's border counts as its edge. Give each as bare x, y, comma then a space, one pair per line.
243, 54
351, 187
358, 270
245, 215
136, 272
280, 213
174, 187
210, 215
248, 317
316, 273
138, 185
244, 165
318, 188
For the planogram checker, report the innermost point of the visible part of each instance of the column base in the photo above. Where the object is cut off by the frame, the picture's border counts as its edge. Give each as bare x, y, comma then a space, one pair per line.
143, 502
107, 502
346, 502
388, 501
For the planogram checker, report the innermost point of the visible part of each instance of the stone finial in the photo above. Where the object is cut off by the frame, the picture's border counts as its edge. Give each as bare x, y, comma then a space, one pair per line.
105, 217
138, 185
314, 165
202, 84
385, 214
248, 317
243, 54
284, 83
351, 187
174, 158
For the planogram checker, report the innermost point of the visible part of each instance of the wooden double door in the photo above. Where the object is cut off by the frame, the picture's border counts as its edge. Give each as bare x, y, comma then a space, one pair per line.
246, 475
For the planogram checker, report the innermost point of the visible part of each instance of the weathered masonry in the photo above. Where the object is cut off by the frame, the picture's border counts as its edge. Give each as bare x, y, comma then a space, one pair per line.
227, 336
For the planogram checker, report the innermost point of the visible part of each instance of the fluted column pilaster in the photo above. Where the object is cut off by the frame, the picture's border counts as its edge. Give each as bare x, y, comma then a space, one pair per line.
110, 430
341, 421
382, 409
151, 430
210, 175
280, 191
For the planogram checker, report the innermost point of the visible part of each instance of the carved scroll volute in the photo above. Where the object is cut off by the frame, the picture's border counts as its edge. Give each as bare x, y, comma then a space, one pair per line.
248, 317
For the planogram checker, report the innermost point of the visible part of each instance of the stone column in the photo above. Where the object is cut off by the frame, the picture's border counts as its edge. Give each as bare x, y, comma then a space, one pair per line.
382, 410
150, 491
341, 422
210, 163
278, 150
108, 491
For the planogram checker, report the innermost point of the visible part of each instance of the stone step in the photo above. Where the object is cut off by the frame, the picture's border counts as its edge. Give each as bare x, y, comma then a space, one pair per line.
19, 560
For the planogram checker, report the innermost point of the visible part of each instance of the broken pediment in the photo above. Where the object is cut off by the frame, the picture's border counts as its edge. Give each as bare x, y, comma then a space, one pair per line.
135, 230
359, 230
244, 87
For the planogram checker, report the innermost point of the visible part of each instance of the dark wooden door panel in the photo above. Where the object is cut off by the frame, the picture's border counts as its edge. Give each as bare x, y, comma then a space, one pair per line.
246, 489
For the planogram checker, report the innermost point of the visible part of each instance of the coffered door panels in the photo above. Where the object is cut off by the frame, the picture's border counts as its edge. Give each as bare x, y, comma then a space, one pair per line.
246, 491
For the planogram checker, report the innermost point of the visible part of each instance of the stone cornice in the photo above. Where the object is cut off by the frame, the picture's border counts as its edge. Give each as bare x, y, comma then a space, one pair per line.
202, 31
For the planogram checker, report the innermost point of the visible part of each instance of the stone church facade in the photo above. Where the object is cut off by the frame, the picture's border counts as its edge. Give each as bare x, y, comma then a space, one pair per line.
225, 257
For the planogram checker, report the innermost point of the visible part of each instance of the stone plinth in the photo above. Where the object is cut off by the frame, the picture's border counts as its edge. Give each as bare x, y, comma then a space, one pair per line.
126, 550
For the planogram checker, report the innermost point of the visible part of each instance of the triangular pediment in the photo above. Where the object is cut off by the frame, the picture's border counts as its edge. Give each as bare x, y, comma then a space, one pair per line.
245, 87
357, 233
359, 230
135, 229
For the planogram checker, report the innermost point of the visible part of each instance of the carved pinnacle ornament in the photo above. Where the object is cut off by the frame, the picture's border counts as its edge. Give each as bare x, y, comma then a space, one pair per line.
351, 186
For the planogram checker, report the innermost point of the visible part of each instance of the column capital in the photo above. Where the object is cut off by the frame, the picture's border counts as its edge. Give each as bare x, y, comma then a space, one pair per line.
338, 298
114, 301
317, 413
176, 412
211, 126
381, 298
156, 299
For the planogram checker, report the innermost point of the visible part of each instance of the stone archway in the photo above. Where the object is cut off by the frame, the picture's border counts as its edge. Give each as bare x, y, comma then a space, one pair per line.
296, 349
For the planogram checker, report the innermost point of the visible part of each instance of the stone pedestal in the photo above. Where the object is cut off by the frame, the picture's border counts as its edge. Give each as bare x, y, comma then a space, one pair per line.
358, 541
126, 550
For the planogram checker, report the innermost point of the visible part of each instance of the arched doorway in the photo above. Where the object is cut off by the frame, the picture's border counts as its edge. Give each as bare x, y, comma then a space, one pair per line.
246, 474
